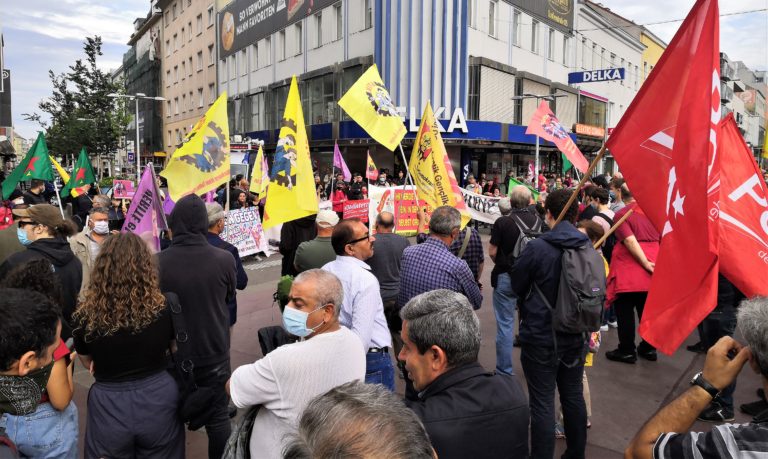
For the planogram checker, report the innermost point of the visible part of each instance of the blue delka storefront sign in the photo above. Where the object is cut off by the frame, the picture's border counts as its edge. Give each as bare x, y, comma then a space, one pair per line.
591, 76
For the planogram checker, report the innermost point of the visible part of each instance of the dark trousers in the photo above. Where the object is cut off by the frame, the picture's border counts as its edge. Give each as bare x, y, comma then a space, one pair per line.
218, 427
134, 419
544, 370
720, 322
626, 304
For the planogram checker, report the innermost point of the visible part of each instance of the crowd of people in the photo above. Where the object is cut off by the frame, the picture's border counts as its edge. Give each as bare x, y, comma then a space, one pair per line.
364, 308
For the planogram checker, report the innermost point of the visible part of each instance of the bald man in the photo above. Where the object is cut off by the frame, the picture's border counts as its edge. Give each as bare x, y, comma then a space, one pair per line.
385, 265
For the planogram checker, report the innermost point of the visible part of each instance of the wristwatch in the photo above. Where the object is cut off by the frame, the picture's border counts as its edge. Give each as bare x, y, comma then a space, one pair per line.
698, 380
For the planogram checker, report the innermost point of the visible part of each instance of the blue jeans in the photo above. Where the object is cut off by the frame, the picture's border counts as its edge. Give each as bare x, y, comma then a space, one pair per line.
504, 304
45, 433
545, 371
379, 370
720, 322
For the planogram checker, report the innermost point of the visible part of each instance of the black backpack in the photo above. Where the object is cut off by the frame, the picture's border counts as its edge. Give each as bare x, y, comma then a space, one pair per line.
581, 293
527, 234
610, 241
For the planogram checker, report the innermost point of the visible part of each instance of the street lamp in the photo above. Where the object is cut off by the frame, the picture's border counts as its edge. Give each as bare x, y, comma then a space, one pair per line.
136, 97
549, 97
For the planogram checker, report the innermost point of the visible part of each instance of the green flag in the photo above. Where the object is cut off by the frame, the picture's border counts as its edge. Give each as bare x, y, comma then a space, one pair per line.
35, 165
566, 163
82, 174
513, 182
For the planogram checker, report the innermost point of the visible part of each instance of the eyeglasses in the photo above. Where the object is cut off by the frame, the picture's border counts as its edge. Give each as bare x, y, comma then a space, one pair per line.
358, 240
22, 224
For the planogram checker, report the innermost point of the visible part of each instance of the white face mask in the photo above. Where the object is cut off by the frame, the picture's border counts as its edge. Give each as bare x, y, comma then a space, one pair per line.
101, 227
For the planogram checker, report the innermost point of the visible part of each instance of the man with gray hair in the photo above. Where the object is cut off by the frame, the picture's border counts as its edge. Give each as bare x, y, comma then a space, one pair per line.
517, 221
216, 221
663, 436
359, 420
467, 411
286, 379
86, 244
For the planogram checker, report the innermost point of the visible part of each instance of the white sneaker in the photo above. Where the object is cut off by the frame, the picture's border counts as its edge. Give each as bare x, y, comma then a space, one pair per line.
604, 328
613, 324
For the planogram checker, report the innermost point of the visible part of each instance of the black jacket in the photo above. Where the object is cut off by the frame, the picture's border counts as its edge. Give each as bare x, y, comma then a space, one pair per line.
469, 412
204, 279
292, 234
540, 262
242, 276
66, 265
31, 198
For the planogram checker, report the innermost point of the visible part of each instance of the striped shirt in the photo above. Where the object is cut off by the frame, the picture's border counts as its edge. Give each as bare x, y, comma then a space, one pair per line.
728, 441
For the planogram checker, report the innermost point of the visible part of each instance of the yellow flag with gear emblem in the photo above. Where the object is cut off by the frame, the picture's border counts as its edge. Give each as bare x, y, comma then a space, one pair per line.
432, 171
368, 103
291, 192
202, 162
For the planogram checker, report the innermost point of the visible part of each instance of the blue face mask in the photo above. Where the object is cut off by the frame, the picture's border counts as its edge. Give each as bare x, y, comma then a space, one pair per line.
295, 322
22, 235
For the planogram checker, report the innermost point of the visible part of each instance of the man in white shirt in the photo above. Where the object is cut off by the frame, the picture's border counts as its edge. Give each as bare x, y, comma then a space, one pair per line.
286, 379
362, 310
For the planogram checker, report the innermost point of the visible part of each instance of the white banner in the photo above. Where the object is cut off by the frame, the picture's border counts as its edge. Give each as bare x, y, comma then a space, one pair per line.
243, 230
482, 208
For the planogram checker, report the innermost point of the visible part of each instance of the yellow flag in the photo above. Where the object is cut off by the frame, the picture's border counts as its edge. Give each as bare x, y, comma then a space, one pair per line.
260, 174
368, 103
291, 182
371, 171
63, 174
202, 163
432, 171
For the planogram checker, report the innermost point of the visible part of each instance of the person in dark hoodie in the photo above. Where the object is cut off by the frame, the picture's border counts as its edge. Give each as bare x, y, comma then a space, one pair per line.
292, 234
204, 278
216, 220
548, 364
43, 231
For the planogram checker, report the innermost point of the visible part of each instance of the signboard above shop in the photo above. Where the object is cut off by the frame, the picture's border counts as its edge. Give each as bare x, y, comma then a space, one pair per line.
244, 22
557, 13
588, 130
591, 76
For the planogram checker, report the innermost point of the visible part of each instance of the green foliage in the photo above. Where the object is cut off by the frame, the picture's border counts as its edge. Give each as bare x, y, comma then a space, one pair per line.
82, 92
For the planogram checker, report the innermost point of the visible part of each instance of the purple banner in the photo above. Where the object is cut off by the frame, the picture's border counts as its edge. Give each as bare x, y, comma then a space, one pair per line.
145, 217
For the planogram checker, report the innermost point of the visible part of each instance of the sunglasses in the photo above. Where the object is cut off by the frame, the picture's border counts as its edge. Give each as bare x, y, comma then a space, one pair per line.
358, 240
22, 224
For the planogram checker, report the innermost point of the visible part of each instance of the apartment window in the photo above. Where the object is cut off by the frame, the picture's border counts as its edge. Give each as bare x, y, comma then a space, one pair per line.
170, 138
200, 99
176, 104
637, 76
516, 16
189, 27
625, 71
232, 66
255, 56
167, 47
168, 79
212, 92
535, 36
183, 69
369, 13
339, 19
191, 102
183, 33
613, 60
167, 18
243, 62
493, 8
211, 55
281, 43
199, 61
268, 50
602, 57
175, 74
645, 70
183, 103
566, 49
319, 30
175, 42
175, 13
471, 12
199, 24
551, 45
181, 6
167, 108
584, 53
178, 137
594, 56
299, 38
210, 16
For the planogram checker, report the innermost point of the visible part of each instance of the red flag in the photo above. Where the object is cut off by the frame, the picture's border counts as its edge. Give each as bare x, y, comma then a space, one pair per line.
666, 145
545, 124
743, 213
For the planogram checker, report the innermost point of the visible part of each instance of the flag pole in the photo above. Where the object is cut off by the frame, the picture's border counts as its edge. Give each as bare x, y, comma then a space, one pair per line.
583, 180
408, 177
612, 229
61, 208
157, 189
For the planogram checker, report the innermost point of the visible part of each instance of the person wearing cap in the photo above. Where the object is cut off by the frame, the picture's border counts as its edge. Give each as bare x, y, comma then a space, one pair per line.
319, 251
216, 220
43, 231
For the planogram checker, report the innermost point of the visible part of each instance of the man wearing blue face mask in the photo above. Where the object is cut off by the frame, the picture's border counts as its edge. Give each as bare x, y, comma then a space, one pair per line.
86, 244
286, 379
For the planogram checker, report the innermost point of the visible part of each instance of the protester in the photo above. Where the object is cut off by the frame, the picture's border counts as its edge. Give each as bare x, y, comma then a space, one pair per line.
505, 236
241, 201
385, 265
359, 420
204, 278
316, 253
666, 434
43, 231
431, 266
52, 429
292, 234
355, 189
632, 264
472, 185
9, 240
86, 244
122, 331
117, 211
614, 190
216, 222
338, 198
488, 412
550, 359
362, 310
35, 193
286, 379
81, 205
400, 179
604, 217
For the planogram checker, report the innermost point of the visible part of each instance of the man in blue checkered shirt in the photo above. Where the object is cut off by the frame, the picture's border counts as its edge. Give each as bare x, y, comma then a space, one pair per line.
431, 265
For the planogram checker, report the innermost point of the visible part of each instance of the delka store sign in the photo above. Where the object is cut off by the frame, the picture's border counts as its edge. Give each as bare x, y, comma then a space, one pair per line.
596, 75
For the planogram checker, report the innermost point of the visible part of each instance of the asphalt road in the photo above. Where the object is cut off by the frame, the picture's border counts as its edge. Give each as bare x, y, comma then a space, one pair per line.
623, 396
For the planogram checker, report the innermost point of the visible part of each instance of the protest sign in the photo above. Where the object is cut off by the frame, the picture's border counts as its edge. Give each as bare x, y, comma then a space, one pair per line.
356, 209
123, 189
243, 230
482, 208
406, 208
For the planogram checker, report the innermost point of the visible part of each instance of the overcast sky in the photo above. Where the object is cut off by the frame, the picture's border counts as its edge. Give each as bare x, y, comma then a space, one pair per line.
45, 34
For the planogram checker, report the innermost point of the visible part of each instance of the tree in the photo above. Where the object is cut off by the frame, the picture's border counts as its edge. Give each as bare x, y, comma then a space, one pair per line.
83, 92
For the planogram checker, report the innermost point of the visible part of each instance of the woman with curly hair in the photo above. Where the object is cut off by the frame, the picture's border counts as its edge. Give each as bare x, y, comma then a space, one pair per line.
123, 330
